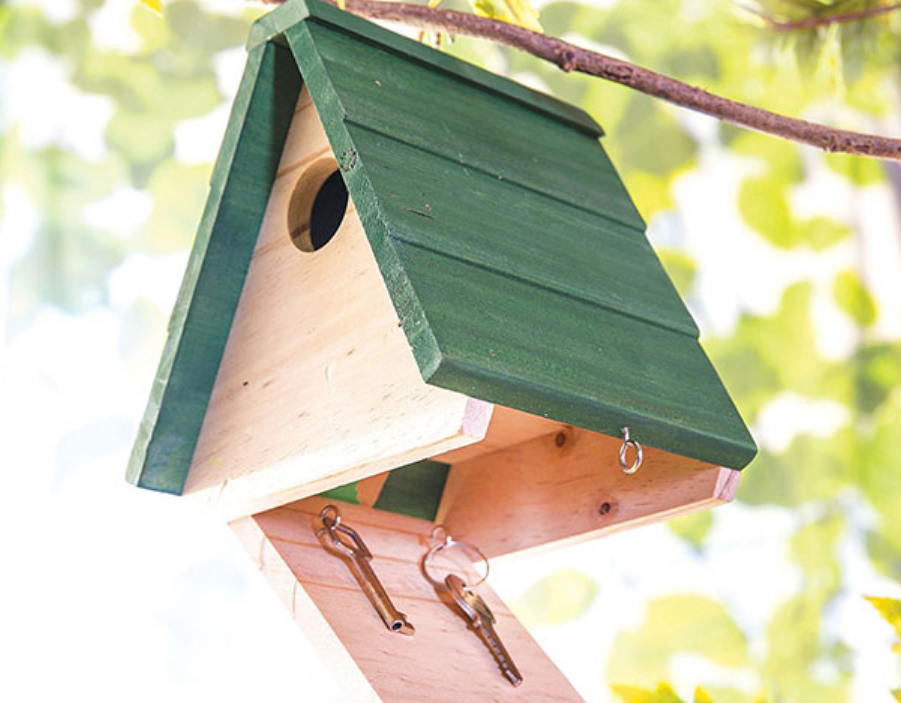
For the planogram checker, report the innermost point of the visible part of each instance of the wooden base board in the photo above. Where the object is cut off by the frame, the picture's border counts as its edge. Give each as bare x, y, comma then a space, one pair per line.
444, 662
318, 386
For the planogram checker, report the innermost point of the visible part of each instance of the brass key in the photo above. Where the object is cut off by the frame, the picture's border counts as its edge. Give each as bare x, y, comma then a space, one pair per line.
357, 557
482, 619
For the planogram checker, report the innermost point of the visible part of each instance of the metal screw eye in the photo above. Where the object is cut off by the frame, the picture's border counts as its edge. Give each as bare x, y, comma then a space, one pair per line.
639, 453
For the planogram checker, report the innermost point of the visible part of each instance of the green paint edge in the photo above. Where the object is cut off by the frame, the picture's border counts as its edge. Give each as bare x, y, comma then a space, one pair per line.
414, 490
273, 26
217, 266
375, 222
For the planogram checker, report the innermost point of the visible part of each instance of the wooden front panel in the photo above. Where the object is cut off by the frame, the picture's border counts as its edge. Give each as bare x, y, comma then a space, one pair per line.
443, 662
318, 386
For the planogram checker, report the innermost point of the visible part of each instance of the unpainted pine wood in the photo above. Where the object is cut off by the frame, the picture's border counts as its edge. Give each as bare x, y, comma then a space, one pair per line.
443, 662
317, 386
506, 428
569, 487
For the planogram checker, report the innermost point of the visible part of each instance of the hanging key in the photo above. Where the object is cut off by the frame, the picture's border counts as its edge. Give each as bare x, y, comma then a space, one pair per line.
482, 619
346, 543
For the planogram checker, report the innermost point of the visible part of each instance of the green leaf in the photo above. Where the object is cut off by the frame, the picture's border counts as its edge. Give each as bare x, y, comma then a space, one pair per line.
860, 170
179, 193
155, 5
523, 14
558, 598
890, 610
486, 8
692, 528
763, 205
634, 694
821, 232
519, 12
680, 267
676, 624
853, 297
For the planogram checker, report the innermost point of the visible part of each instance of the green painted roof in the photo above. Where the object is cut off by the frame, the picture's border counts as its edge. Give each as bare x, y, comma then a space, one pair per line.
516, 260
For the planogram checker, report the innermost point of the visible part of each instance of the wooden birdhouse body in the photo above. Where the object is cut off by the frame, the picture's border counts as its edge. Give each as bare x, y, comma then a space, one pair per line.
423, 289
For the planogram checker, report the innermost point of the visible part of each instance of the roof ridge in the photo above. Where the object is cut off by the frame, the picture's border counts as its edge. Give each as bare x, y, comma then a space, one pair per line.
272, 26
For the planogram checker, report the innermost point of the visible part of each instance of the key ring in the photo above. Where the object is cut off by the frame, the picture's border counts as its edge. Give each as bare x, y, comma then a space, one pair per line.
639, 453
448, 542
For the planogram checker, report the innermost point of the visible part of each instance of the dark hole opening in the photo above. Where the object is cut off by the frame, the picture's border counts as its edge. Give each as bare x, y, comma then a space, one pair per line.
328, 210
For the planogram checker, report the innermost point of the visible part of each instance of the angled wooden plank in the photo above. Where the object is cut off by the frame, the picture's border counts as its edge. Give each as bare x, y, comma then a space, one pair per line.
444, 662
218, 263
569, 487
317, 386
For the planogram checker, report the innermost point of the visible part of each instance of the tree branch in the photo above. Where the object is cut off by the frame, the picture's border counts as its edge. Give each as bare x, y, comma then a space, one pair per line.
822, 20
573, 58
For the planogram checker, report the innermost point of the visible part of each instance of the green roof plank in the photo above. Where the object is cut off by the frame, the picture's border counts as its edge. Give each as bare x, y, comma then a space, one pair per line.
217, 266
449, 117
492, 222
536, 350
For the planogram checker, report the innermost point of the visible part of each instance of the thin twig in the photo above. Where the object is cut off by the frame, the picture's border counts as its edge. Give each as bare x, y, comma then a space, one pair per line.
573, 58
822, 20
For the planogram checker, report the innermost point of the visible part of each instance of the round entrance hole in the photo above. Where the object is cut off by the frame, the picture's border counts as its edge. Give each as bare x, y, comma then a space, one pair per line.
318, 206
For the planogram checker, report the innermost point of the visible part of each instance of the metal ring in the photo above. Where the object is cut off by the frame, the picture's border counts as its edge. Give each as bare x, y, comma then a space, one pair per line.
326, 512
448, 542
639, 453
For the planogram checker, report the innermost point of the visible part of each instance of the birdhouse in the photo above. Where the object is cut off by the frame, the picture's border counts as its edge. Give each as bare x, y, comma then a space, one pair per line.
421, 293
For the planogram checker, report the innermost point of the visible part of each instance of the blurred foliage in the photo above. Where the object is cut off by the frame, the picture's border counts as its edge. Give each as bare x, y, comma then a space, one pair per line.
841, 488
663, 694
519, 12
562, 596
890, 609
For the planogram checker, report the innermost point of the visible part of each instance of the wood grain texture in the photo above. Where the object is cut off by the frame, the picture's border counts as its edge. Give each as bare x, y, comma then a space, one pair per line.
506, 428
478, 128
569, 487
533, 237
537, 350
317, 386
218, 263
443, 662
490, 313
513, 258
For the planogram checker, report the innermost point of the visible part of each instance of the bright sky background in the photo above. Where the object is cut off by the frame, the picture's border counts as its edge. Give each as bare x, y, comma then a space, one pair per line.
111, 593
